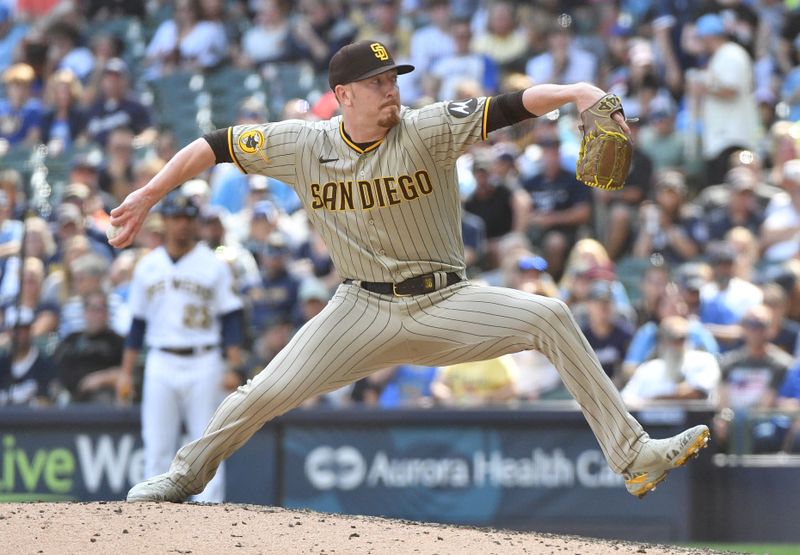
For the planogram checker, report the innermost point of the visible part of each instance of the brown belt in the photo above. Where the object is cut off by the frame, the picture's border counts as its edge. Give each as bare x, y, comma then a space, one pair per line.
418, 285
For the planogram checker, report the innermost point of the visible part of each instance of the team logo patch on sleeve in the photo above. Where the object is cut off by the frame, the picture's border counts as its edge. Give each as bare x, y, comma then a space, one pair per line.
462, 108
251, 141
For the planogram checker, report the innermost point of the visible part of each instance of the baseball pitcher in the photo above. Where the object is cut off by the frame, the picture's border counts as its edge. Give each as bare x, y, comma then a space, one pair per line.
379, 183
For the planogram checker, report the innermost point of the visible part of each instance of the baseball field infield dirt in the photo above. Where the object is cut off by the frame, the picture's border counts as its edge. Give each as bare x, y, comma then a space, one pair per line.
120, 528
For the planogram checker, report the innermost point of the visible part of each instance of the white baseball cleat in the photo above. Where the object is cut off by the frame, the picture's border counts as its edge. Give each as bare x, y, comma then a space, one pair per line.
157, 488
659, 456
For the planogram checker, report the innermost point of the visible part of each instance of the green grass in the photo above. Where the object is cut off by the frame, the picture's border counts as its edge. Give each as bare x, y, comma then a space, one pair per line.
757, 548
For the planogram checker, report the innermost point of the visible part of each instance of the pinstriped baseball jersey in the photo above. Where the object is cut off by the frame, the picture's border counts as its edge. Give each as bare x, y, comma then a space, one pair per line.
387, 212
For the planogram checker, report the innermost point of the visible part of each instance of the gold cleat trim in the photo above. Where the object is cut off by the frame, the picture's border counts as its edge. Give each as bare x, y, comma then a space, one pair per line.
694, 450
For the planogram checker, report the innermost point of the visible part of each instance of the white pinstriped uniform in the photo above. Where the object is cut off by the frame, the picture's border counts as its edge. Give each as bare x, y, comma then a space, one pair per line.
387, 213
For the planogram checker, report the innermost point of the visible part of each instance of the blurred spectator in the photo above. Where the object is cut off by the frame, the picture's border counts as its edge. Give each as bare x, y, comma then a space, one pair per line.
502, 39
488, 382
671, 226
26, 374
29, 296
273, 337
315, 255
651, 286
312, 296
493, 202
243, 265
11, 230
745, 244
67, 51
11, 185
105, 46
741, 209
20, 113
115, 176
103, 10
448, 71
429, 43
607, 333
58, 283
89, 272
563, 62
185, 42
561, 206
783, 332
88, 360
724, 302
404, 386
387, 24
725, 88
70, 222
115, 107
64, 122
529, 273
614, 212
644, 343
277, 294
12, 32
677, 373
665, 145
90, 205
780, 233
268, 40
263, 222
320, 31
751, 375
589, 262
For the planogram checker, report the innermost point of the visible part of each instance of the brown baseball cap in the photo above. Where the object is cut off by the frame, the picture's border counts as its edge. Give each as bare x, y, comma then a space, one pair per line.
362, 60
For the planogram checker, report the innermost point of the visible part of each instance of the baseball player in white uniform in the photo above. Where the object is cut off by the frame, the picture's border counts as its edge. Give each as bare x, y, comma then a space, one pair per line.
185, 310
379, 183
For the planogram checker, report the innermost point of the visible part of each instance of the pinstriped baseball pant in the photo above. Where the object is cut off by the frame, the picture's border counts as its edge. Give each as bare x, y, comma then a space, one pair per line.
359, 332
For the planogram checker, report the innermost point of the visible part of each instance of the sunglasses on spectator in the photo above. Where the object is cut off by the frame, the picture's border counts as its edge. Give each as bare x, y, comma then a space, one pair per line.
752, 323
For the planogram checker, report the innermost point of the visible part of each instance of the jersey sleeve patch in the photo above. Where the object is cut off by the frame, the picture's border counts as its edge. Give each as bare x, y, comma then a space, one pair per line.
462, 108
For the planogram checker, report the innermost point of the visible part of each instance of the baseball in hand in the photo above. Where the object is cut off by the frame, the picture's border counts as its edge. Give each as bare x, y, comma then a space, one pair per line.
112, 231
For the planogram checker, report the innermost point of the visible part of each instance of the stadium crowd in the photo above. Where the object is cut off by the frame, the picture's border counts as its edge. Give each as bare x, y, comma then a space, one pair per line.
686, 282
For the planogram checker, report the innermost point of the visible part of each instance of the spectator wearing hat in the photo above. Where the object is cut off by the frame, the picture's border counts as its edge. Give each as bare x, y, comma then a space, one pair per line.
277, 293
71, 222
741, 209
243, 265
678, 372
116, 107
727, 87
312, 296
724, 301
16, 296
88, 361
529, 274
263, 221
751, 374
492, 202
26, 374
670, 303
64, 122
560, 206
608, 334
663, 143
670, 226
780, 232
20, 113
185, 42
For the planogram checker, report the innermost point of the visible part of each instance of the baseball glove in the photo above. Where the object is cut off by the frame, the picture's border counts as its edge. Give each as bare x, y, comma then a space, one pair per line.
605, 155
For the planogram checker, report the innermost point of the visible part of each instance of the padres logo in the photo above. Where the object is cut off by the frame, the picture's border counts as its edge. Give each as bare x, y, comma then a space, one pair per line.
380, 51
251, 141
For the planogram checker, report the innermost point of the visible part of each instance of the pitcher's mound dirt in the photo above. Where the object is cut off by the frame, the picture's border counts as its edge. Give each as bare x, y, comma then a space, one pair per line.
119, 528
